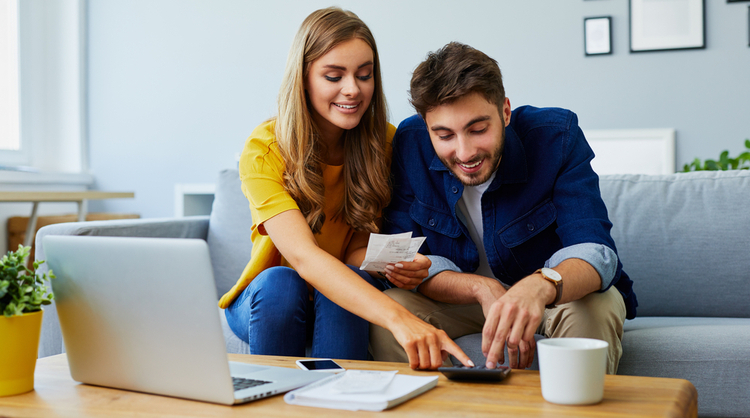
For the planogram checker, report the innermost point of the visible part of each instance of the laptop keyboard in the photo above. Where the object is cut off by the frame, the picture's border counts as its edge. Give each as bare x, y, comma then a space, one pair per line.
242, 383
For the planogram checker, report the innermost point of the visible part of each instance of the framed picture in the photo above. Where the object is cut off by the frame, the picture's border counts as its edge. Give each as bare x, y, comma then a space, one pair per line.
657, 25
597, 35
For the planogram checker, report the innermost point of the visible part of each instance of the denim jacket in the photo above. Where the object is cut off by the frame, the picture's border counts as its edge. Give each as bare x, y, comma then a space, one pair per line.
545, 197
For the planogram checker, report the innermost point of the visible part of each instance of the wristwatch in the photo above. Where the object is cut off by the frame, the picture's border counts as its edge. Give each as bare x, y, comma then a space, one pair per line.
556, 279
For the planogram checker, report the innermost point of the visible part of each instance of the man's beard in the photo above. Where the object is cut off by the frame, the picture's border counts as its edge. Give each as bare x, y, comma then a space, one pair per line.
492, 160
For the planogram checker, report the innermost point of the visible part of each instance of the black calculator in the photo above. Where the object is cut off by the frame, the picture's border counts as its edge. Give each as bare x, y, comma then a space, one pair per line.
476, 373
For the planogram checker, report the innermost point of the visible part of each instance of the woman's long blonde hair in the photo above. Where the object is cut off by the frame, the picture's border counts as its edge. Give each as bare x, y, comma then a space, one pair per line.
366, 190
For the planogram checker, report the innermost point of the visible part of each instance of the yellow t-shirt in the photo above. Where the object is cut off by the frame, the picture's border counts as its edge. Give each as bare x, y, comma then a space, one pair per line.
262, 176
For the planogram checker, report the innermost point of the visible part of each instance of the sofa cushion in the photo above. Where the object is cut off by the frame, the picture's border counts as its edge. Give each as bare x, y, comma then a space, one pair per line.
683, 239
712, 353
229, 231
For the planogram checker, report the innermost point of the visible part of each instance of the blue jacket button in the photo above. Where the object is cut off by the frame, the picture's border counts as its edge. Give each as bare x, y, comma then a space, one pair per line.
530, 226
454, 189
431, 222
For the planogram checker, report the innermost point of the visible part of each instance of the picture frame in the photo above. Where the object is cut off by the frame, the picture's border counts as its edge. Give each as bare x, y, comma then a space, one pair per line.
597, 35
666, 26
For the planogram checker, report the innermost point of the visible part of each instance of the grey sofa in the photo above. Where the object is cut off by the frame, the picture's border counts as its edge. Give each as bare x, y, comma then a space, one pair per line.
683, 238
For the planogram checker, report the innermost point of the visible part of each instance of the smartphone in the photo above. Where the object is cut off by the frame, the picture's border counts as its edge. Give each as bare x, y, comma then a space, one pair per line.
320, 365
477, 374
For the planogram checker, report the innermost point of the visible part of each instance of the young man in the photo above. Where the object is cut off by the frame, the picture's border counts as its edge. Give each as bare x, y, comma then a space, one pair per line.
516, 229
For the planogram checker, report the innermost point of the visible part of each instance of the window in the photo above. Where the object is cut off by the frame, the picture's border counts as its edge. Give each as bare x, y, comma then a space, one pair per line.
11, 151
42, 86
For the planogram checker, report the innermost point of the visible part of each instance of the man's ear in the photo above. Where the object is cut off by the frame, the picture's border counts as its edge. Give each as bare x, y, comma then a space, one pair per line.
506, 112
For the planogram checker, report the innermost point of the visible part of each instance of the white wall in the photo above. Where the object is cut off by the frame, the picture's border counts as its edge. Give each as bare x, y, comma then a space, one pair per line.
175, 86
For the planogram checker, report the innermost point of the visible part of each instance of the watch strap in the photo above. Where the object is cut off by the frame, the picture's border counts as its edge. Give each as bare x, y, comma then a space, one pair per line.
558, 288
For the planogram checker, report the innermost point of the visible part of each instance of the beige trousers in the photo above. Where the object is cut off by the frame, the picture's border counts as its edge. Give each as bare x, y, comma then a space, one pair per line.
597, 315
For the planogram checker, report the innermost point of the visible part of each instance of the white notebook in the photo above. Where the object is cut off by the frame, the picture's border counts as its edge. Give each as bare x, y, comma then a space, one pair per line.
326, 394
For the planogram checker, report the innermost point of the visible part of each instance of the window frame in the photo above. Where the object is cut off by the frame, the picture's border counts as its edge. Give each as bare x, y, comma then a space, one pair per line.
15, 158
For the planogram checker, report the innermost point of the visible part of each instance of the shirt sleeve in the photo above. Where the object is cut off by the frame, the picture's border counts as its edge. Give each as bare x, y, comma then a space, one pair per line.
262, 174
439, 265
583, 224
602, 258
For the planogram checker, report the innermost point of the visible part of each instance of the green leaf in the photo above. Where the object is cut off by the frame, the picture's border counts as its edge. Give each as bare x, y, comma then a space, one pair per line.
20, 308
695, 165
22, 290
725, 162
10, 309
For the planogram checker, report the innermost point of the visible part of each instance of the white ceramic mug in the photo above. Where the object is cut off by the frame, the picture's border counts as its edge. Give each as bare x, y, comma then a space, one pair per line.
572, 370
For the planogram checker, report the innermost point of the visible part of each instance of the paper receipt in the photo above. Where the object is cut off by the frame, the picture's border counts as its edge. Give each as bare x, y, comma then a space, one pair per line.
385, 249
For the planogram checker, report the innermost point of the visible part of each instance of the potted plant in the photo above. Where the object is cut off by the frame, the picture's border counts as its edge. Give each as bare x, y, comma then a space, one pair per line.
22, 294
741, 162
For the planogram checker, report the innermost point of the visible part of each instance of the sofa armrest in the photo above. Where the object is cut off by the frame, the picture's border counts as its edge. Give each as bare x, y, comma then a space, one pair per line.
50, 342
189, 227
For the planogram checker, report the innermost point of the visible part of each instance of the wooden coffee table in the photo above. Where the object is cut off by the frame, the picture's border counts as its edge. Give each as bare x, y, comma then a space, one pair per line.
57, 395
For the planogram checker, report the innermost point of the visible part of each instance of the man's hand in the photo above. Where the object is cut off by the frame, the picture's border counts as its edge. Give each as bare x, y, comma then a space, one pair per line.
513, 319
408, 274
522, 356
426, 346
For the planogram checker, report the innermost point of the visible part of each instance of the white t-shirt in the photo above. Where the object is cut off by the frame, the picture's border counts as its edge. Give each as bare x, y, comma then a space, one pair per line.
471, 206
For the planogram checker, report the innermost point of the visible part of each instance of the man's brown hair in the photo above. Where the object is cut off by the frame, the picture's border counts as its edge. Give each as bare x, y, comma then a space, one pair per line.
452, 72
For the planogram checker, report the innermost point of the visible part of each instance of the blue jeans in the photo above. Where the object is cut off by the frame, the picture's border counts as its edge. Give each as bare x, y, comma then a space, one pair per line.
275, 316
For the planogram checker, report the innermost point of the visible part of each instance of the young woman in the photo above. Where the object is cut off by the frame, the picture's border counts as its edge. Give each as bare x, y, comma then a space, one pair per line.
316, 177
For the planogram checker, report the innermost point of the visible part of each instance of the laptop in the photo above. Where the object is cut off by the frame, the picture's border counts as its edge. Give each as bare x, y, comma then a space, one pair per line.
141, 314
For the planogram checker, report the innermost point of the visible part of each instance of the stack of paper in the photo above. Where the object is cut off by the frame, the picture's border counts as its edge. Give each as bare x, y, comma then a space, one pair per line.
385, 249
361, 390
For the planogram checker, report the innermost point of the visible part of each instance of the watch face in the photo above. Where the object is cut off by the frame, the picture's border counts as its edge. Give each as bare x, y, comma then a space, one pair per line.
552, 274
